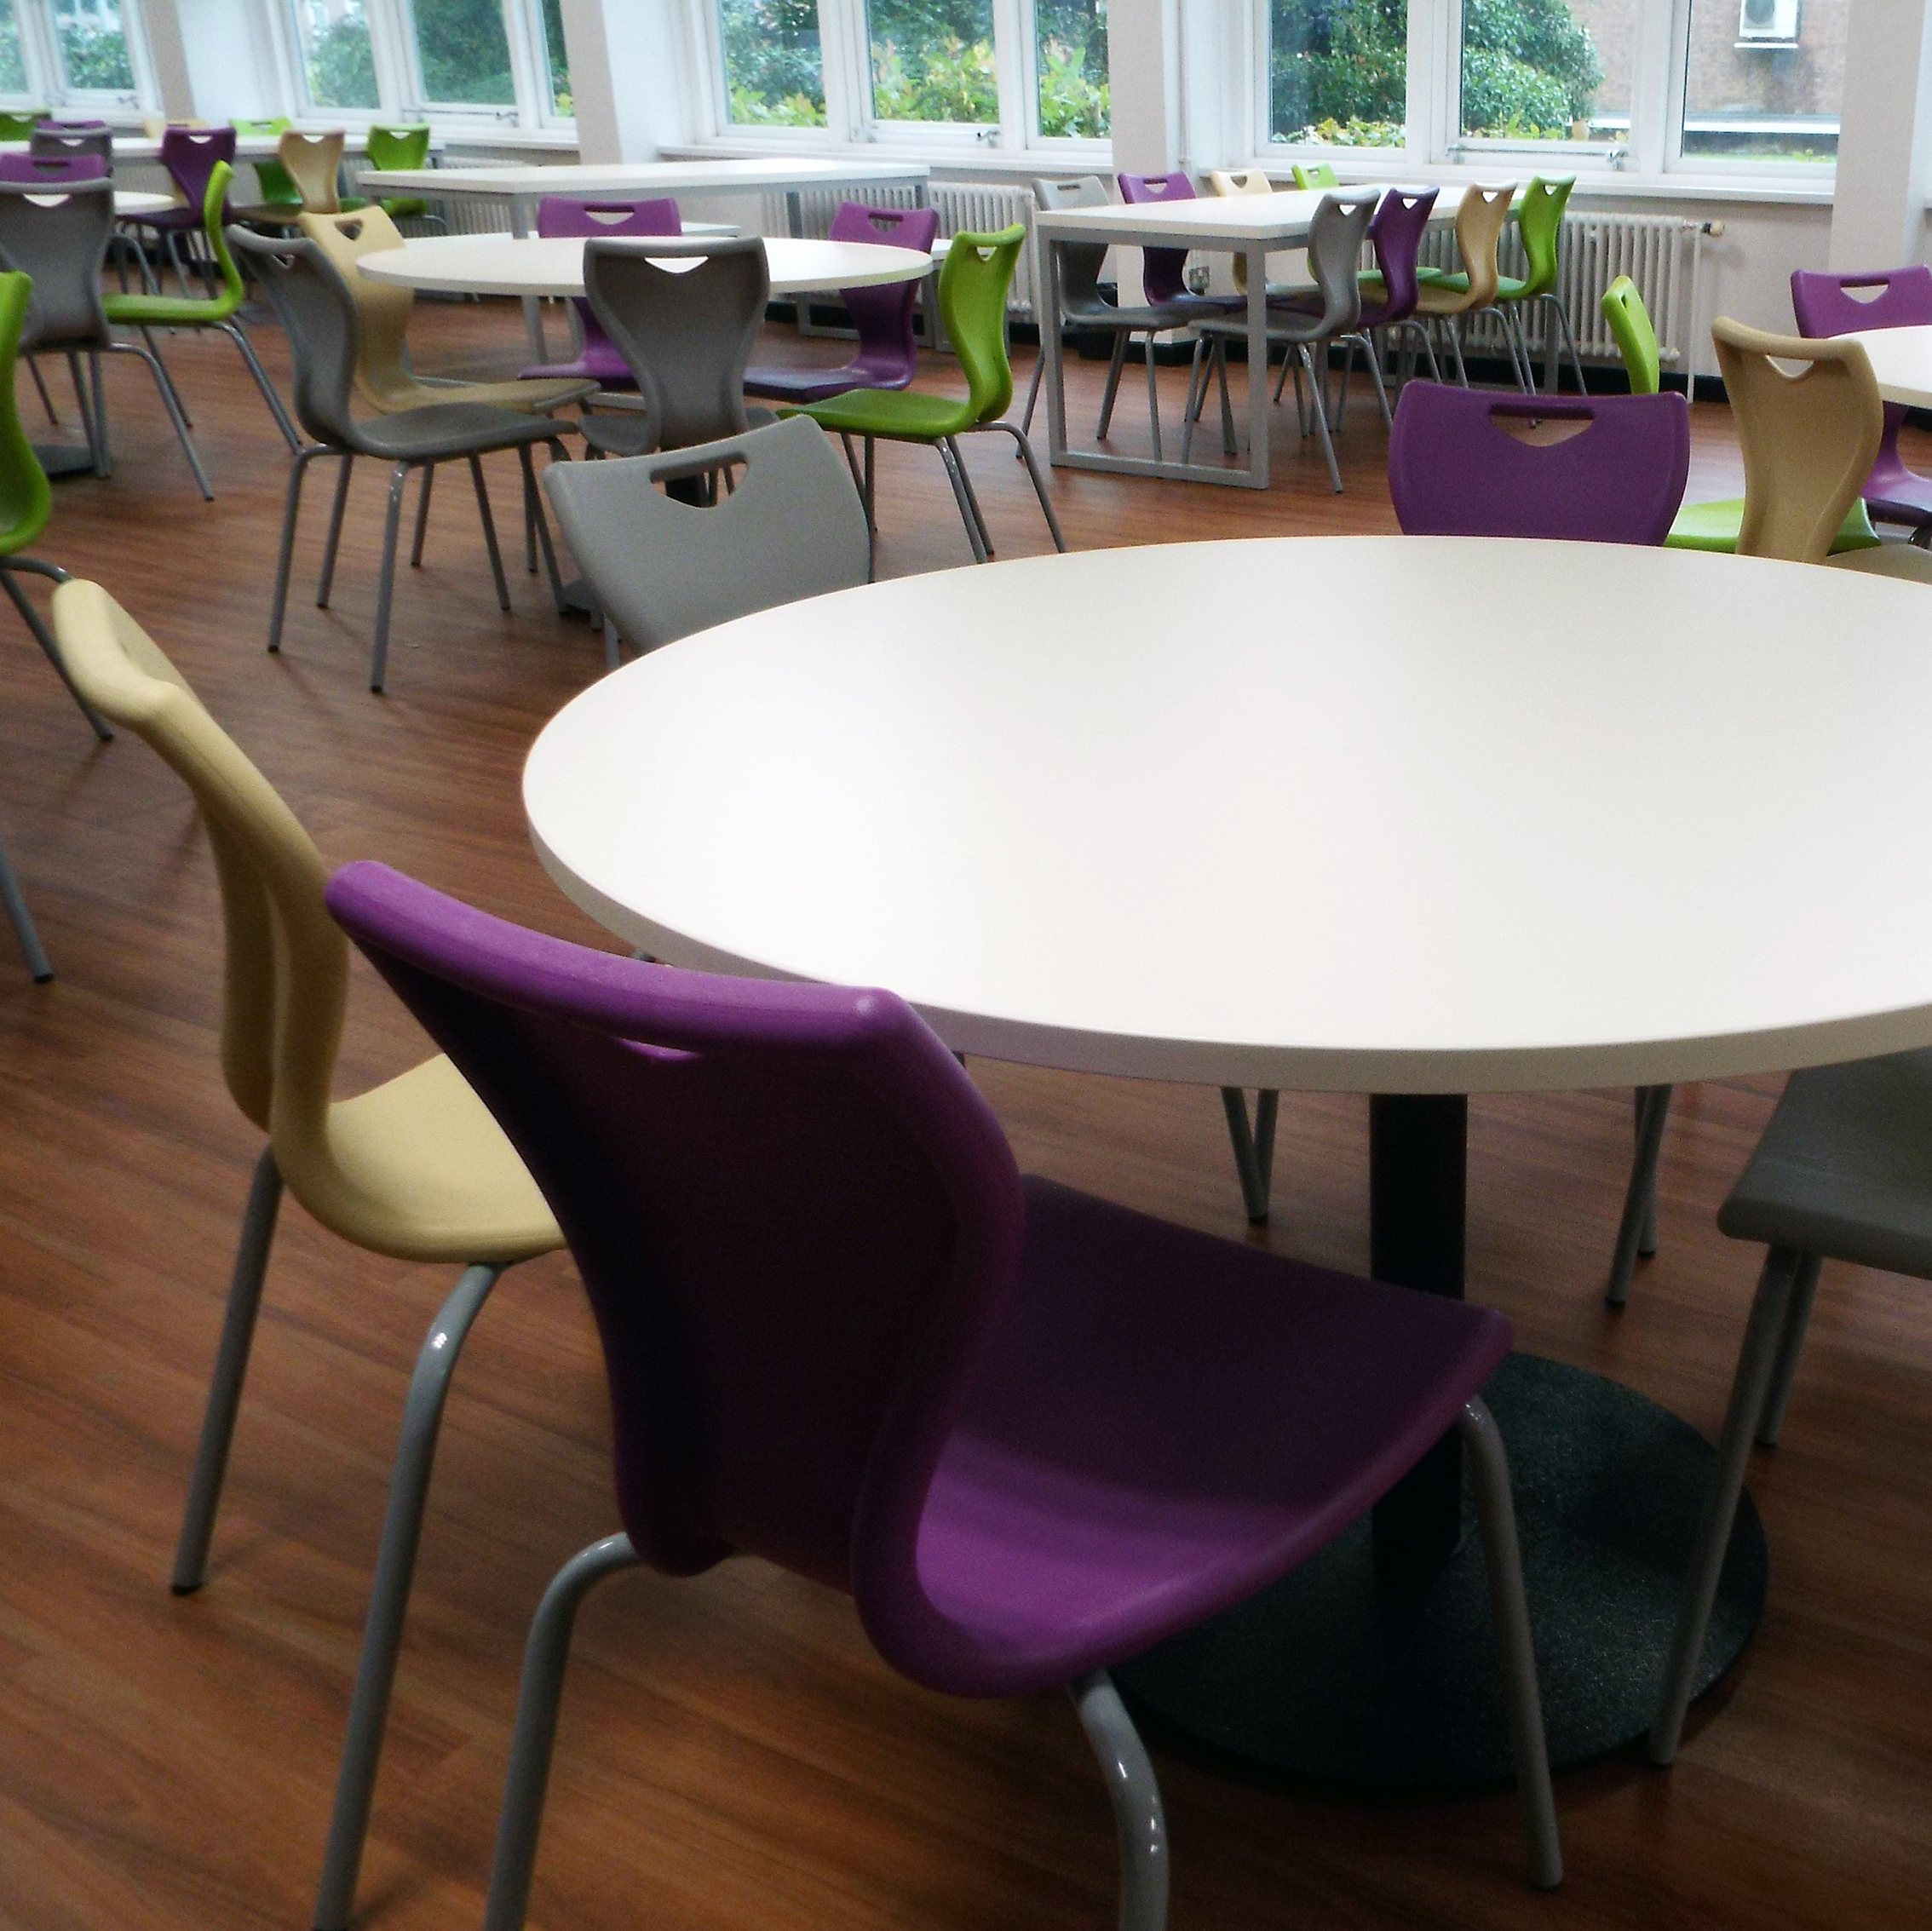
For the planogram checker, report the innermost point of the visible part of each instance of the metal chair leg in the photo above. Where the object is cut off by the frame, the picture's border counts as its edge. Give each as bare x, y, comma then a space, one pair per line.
172, 403
1496, 1514
44, 637
1319, 406
422, 517
1569, 340
21, 920
231, 1369
489, 532
544, 1658
388, 1593
1115, 363
154, 349
341, 503
1038, 479
1153, 392
1456, 343
1140, 1822
972, 496
533, 509
1757, 1361
1636, 1232
1254, 1147
236, 334
959, 496
40, 383
298, 466
1791, 1345
386, 584
1034, 388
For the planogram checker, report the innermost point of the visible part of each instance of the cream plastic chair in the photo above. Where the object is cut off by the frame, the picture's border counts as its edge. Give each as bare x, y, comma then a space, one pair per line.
416, 1168
314, 162
1253, 181
1480, 220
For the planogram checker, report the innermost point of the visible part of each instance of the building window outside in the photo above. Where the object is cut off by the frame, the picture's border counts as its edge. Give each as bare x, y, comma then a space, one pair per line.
556, 59
338, 64
1070, 71
92, 47
1547, 69
774, 65
1337, 72
463, 52
1763, 79
13, 60
932, 61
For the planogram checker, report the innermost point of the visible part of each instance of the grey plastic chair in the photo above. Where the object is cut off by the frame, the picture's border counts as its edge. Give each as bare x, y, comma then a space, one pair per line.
1336, 234
96, 141
61, 241
318, 310
21, 920
791, 527
1840, 1174
685, 333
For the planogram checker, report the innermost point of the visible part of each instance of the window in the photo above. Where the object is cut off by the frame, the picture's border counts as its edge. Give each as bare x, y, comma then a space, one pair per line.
1337, 72
556, 61
1763, 79
1547, 69
74, 52
463, 53
932, 61
93, 48
338, 65
13, 61
773, 66
1071, 99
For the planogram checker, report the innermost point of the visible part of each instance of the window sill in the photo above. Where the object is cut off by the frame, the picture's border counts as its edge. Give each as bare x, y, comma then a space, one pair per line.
1593, 183
996, 164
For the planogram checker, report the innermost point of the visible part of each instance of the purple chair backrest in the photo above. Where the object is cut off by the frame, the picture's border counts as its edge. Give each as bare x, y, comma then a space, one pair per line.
53, 168
1825, 307
1453, 472
558, 215
797, 1221
1162, 270
1397, 231
190, 154
883, 316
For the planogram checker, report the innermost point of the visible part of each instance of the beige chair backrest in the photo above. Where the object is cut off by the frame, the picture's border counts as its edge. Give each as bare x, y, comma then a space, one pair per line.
313, 161
1241, 180
1479, 221
286, 975
383, 308
1809, 438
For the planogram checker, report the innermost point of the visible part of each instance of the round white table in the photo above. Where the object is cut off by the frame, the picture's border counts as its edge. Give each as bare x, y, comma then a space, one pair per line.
501, 264
1901, 359
1315, 813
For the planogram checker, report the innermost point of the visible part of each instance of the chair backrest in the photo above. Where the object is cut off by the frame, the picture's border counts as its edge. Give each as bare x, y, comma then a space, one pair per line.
1635, 339
317, 313
314, 162
1808, 440
383, 308
1481, 218
191, 155
400, 147
53, 138
1162, 270
1081, 263
214, 221
1453, 472
684, 333
1314, 174
971, 299
1401, 220
792, 527
561, 214
262, 129
18, 123
54, 170
1337, 231
61, 241
1239, 180
797, 1221
1539, 223
882, 315
25, 500
1825, 305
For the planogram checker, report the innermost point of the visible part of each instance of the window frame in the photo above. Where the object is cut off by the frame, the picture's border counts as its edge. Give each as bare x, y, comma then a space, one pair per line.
40, 59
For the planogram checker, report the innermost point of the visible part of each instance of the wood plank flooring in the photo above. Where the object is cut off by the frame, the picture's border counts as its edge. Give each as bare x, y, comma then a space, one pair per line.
731, 1753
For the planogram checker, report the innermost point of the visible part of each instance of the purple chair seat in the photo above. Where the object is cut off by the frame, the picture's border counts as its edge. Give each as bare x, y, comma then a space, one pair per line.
598, 360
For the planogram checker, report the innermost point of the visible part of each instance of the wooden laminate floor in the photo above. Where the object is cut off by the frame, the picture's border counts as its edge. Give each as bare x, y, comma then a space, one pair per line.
731, 1753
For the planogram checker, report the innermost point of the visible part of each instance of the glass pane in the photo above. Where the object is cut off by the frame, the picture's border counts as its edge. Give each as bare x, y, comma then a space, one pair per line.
12, 67
773, 74
1764, 78
94, 51
1070, 70
463, 50
1338, 71
338, 66
1547, 70
559, 57
932, 61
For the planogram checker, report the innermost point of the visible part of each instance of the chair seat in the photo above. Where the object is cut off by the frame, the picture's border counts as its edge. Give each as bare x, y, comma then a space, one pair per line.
627, 431
898, 414
1081, 1511
599, 364
1447, 296
1845, 1167
430, 1176
1715, 526
1150, 315
398, 398
267, 214
1895, 494
818, 385
166, 311
1284, 324
402, 207
450, 428
179, 220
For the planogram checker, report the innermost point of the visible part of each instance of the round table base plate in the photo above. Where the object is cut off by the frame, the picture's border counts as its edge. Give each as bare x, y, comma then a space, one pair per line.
65, 459
1327, 1677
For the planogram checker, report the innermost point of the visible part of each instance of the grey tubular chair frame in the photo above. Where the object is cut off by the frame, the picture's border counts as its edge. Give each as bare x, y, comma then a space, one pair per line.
317, 312
791, 527
21, 920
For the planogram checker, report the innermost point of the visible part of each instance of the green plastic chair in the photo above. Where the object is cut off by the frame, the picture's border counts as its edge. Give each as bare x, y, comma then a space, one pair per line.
1698, 525
18, 123
1539, 222
145, 311
276, 184
402, 148
25, 500
1314, 174
972, 303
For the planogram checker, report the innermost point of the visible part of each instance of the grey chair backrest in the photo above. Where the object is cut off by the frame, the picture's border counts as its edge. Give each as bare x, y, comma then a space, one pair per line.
98, 142
685, 333
60, 240
1080, 262
1336, 232
793, 527
317, 310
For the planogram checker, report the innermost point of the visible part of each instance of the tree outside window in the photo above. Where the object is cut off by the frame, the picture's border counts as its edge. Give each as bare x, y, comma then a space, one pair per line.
93, 47
1532, 70
1070, 68
774, 71
13, 62
462, 50
338, 65
556, 51
1337, 72
932, 61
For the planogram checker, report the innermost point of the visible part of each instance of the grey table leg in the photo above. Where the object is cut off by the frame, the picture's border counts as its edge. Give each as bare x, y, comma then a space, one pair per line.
1257, 368
532, 305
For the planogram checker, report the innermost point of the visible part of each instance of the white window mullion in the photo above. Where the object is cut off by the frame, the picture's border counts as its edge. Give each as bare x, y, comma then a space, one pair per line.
391, 43
1013, 72
845, 69
1434, 83
1657, 64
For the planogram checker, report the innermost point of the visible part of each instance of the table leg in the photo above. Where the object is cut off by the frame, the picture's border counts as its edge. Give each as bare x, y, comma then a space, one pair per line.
1052, 346
533, 306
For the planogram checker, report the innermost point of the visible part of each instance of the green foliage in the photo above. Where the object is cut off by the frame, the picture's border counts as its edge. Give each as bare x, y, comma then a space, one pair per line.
464, 52
947, 80
559, 52
13, 66
1527, 67
342, 67
1069, 103
95, 61
772, 74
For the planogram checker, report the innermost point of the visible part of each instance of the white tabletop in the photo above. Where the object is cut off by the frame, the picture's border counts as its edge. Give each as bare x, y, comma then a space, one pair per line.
1901, 359
136, 201
1296, 812
506, 265
1212, 221
640, 177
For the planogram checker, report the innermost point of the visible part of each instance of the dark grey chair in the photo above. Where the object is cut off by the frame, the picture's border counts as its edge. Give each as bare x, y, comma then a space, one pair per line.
317, 312
792, 525
685, 333
1844, 1172
1336, 234
96, 141
61, 241
22, 923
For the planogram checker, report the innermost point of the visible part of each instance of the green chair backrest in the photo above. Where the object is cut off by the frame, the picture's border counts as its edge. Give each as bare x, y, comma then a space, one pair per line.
213, 204
18, 123
1636, 339
971, 299
26, 501
267, 130
399, 147
277, 185
1314, 174
1540, 221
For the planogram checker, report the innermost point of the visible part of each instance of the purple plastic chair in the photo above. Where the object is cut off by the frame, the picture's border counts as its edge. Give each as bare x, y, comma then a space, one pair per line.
190, 156
557, 214
888, 356
1162, 278
56, 171
1452, 472
1823, 307
1030, 1432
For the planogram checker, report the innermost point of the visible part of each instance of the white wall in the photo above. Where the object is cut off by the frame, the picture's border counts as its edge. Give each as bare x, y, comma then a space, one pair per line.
626, 79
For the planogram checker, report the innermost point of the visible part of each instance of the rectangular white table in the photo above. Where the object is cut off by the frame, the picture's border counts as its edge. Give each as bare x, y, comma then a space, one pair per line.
1252, 225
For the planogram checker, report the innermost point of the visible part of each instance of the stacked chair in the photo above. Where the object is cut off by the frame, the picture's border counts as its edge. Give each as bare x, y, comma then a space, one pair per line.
1540, 224
311, 164
402, 149
272, 179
